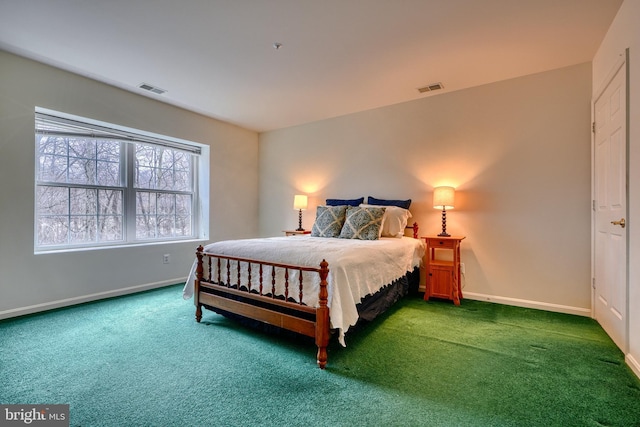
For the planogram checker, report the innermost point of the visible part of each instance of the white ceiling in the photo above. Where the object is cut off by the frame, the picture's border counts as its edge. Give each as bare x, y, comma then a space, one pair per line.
216, 57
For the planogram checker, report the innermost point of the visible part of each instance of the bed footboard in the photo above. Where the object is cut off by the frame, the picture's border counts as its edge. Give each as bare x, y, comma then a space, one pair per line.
238, 295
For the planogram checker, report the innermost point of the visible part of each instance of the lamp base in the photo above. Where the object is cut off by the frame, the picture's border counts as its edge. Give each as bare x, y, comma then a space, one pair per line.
444, 224
300, 221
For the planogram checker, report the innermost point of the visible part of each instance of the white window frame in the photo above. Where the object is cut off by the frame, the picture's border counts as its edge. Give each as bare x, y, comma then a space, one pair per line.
129, 137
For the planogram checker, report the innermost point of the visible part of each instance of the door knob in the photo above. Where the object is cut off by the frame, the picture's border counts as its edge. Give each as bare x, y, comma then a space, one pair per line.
621, 223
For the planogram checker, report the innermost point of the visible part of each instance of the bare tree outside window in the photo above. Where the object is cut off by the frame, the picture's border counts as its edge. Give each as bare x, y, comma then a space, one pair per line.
69, 212
161, 213
81, 188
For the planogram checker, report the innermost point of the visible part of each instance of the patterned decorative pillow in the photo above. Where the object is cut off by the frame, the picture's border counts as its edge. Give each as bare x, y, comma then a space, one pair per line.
394, 220
362, 223
329, 221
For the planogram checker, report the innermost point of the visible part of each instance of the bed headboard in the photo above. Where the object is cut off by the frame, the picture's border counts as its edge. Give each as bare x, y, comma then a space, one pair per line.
414, 230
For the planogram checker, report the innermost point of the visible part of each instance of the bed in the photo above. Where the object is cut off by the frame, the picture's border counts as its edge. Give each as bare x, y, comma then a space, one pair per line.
315, 285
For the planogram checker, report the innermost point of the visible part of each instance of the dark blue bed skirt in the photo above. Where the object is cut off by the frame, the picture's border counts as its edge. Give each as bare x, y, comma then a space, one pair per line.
368, 309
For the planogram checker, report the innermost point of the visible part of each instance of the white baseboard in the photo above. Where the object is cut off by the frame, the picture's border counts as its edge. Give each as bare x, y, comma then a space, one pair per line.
21, 311
633, 364
529, 304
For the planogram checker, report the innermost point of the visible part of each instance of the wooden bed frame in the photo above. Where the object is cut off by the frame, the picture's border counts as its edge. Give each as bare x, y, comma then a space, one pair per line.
262, 304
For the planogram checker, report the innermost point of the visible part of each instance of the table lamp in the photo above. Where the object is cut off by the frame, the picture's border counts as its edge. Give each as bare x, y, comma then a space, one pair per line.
443, 199
300, 204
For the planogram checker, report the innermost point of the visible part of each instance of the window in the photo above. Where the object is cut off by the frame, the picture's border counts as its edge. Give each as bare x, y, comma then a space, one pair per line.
99, 184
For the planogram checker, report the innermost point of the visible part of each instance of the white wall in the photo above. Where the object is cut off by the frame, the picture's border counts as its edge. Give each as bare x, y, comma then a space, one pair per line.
31, 282
518, 152
624, 34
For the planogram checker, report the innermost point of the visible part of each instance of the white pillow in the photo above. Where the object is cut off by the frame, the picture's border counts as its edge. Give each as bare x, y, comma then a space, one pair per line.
394, 220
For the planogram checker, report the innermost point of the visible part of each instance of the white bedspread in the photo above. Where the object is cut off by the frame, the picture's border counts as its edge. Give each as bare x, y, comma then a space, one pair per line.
357, 268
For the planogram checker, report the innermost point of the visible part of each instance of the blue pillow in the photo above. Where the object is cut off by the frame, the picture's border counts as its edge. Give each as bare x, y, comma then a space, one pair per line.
345, 202
383, 202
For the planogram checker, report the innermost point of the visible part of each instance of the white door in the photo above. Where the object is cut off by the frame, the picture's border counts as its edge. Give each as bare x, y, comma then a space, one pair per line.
610, 192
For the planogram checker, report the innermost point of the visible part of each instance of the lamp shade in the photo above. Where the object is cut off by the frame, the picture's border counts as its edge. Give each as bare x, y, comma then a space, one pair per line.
299, 202
443, 197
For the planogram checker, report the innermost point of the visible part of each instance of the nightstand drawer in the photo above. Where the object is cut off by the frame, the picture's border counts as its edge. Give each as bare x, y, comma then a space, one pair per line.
445, 243
296, 232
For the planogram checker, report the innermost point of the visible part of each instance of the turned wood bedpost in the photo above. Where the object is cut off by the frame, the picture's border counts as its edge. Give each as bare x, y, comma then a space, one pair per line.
415, 230
322, 316
196, 285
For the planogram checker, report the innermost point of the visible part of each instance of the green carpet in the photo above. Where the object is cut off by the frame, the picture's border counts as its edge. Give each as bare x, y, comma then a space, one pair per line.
142, 360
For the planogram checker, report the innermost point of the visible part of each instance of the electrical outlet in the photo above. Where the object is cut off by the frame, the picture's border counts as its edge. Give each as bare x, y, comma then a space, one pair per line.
166, 259
462, 268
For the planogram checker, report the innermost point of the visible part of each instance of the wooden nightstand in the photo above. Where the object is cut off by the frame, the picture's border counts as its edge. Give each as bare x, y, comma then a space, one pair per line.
296, 232
443, 275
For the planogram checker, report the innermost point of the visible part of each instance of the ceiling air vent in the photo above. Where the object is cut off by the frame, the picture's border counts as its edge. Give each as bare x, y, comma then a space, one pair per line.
429, 88
151, 88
